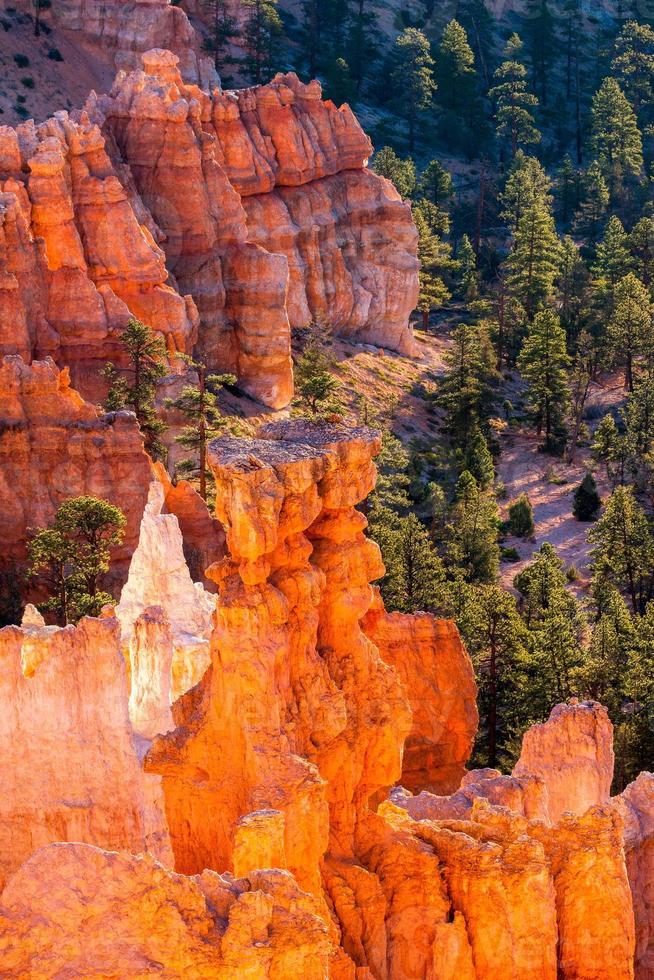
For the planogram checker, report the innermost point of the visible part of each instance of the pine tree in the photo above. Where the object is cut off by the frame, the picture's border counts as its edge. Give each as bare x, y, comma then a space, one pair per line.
513, 116
541, 43
526, 185
467, 264
641, 243
539, 582
435, 184
69, 558
434, 257
471, 534
521, 517
567, 186
535, 258
624, 547
573, 289
198, 403
402, 172
586, 363
364, 39
316, 387
633, 64
478, 460
340, 86
556, 653
575, 37
224, 30
479, 24
466, 388
613, 260
415, 577
611, 448
615, 139
146, 354
543, 362
586, 501
413, 75
630, 327
263, 33
455, 69
591, 215
496, 639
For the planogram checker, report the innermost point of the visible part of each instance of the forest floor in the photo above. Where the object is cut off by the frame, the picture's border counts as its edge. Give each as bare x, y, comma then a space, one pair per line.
550, 483
45, 84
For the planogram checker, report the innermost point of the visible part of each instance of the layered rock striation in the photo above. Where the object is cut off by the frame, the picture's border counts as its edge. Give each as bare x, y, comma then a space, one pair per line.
282, 756
221, 220
54, 445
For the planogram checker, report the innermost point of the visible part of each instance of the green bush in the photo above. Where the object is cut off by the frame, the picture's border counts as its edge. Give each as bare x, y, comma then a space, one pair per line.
509, 554
54, 54
28, 81
587, 501
521, 517
21, 60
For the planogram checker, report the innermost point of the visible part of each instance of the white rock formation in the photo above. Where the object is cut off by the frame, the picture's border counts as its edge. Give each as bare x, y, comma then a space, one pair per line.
159, 576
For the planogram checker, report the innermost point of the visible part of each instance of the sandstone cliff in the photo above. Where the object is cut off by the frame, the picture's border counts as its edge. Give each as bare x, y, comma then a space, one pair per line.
221, 220
54, 445
283, 756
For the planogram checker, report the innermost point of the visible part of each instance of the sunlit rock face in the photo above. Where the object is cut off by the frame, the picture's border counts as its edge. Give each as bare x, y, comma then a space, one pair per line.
75, 910
77, 255
573, 754
438, 677
559, 838
202, 534
70, 769
159, 579
288, 753
54, 445
221, 220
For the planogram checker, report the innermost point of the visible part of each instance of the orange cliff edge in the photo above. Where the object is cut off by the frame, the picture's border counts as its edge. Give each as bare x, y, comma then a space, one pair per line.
256, 825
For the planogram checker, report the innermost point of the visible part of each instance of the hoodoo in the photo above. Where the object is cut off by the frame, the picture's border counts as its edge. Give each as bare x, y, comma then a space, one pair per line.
326, 491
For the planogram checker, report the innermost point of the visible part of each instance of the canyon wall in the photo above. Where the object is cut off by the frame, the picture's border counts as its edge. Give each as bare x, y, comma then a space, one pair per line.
288, 754
54, 445
221, 220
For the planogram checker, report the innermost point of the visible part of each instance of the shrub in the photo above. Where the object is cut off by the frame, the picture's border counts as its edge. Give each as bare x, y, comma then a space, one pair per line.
587, 501
509, 554
521, 517
28, 81
572, 574
54, 54
21, 60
